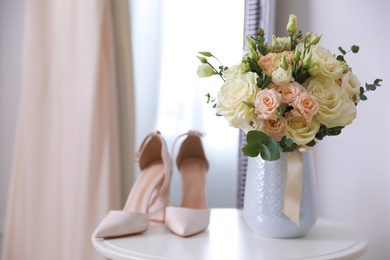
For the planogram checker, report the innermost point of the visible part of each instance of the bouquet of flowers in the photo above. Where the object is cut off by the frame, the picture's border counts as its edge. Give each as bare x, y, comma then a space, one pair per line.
287, 94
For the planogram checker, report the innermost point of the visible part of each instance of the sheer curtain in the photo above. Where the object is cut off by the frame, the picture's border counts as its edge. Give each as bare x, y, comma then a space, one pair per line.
189, 27
67, 162
167, 34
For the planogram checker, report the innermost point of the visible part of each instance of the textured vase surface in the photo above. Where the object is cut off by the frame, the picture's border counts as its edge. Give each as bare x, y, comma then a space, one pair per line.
264, 197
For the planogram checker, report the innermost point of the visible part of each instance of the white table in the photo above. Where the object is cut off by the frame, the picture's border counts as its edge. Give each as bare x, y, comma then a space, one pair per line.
229, 237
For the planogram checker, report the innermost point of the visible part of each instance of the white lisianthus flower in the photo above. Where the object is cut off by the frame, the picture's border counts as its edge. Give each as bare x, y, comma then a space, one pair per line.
236, 90
232, 71
323, 63
205, 70
283, 41
250, 121
352, 84
335, 106
299, 129
282, 76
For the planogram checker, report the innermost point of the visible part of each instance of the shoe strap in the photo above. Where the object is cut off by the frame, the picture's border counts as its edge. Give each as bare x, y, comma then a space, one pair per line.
191, 132
166, 158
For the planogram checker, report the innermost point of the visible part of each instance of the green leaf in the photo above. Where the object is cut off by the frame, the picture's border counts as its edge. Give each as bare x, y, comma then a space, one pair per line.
256, 137
265, 153
361, 90
267, 81
363, 97
259, 142
342, 51
355, 49
287, 144
206, 53
274, 149
311, 143
251, 150
340, 58
377, 81
262, 49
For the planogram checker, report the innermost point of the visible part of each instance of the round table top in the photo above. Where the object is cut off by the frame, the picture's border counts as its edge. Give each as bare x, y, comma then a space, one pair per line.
229, 237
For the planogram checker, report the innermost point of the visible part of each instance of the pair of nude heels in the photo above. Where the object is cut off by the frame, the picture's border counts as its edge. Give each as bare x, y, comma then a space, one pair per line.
148, 199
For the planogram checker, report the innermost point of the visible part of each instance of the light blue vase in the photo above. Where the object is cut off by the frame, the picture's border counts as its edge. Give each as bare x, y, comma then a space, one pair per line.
264, 197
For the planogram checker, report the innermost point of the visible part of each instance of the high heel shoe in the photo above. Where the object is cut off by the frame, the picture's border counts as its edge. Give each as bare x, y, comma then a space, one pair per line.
193, 216
148, 197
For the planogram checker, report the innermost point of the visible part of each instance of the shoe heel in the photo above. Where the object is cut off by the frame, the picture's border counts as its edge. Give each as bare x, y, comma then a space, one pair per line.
157, 207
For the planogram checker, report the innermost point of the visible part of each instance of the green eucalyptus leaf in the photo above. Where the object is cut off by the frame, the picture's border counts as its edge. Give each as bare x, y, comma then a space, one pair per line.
251, 150
342, 51
265, 152
256, 137
311, 143
340, 58
355, 49
274, 149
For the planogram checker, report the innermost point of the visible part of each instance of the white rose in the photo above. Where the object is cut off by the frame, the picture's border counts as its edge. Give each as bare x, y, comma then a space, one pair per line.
282, 76
335, 106
323, 63
235, 90
352, 84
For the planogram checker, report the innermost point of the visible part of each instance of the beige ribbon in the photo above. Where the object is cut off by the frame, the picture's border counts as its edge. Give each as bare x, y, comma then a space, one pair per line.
293, 192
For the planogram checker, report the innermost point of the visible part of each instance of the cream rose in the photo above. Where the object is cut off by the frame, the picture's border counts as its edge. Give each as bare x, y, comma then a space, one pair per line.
266, 103
323, 63
335, 106
352, 84
275, 128
307, 105
282, 76
235, 90
299, 129
290, 92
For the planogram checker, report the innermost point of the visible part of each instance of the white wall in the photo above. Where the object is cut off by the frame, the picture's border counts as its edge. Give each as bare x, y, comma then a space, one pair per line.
353, 169
11, 31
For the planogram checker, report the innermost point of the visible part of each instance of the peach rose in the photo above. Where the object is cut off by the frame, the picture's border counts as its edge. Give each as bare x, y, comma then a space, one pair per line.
307, 105
269, 63
275, 128
266, 103
290, 92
